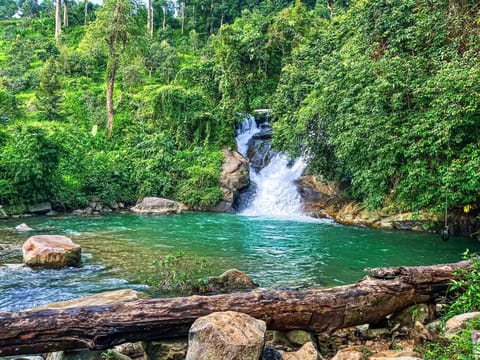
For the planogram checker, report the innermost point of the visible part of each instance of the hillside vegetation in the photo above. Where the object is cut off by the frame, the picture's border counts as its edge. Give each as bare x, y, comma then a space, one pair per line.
385, 94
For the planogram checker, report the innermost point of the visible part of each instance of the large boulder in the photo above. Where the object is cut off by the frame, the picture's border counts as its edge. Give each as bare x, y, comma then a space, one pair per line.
234, 177
230, 281
157, 206
226, 336
54, 251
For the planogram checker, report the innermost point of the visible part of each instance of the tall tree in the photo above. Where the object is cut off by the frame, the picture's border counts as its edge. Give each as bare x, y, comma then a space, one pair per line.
49, 95
58, 21
150, 17
118, 29
65, 13
86, 13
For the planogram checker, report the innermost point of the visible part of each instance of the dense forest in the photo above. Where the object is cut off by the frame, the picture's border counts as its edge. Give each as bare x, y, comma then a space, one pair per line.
128, 99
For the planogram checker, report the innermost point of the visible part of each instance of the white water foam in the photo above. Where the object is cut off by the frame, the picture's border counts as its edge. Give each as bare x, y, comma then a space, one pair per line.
276, 191
247, 129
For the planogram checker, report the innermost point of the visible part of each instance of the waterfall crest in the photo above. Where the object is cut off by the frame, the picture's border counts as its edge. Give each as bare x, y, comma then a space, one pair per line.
273, 191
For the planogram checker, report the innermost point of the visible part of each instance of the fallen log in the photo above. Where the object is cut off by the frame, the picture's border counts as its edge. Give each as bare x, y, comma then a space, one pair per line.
387, 290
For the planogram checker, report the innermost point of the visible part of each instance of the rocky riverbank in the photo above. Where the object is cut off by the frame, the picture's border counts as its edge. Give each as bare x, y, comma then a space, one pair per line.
325, 200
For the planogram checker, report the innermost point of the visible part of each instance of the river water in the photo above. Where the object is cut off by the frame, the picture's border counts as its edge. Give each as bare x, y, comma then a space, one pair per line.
277, 253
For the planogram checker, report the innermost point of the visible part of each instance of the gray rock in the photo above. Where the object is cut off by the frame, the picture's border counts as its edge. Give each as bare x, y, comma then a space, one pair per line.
407, 317
270, 353
75, 355
298, 337
157, 206
40, 208
226, 336
230, 281
457, 323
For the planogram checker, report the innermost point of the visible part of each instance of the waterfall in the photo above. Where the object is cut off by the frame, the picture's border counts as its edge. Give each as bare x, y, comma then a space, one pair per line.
273, 191
248, 127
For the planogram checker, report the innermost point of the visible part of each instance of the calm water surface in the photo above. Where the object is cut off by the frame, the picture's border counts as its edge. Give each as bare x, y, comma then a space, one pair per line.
118, 250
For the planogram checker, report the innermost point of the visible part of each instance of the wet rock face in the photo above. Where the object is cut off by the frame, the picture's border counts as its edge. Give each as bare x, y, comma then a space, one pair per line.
234, 177
53, 251
226, 335
260, 149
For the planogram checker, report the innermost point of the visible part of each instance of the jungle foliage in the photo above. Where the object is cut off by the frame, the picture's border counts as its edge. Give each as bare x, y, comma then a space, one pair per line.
384, 94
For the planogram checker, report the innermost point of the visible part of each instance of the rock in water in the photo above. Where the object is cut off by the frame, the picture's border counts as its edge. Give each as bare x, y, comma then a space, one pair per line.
226, 336
54, 251
230, 281
157, 206
23, 227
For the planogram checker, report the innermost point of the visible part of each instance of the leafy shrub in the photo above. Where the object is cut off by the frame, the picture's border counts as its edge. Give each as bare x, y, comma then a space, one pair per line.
468, 288
199, 182
106, 174
460, 347
29, 162
179, 273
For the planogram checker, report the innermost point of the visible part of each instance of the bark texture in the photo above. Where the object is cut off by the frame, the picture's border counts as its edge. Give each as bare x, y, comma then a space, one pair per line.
387, 290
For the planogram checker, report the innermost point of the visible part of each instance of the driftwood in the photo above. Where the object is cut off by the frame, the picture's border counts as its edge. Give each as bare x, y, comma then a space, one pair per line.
387, 290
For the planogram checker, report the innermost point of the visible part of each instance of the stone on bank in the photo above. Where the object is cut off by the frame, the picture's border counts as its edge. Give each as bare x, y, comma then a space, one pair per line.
226, 335
53, 251
157, 206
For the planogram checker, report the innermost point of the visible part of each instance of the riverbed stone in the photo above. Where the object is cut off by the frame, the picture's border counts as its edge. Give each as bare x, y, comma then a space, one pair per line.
350, 353
76, 355
53, 251
396, 354
407, 317
298, 337
40, 208
165, 350
230, 281
457, 323
157, 206
226, 336
108, 297
306, 352
270, 353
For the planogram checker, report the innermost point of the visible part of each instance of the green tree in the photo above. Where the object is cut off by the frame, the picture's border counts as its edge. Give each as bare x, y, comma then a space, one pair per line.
162, 60
117, 28
49, 93
7, 8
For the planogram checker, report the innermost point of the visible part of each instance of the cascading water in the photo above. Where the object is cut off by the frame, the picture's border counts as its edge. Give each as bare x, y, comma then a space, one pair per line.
244, 133
274, 192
